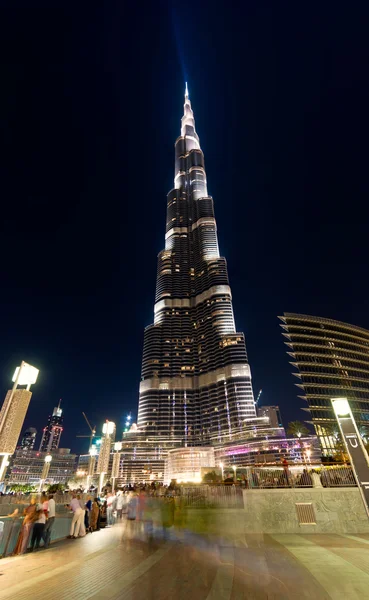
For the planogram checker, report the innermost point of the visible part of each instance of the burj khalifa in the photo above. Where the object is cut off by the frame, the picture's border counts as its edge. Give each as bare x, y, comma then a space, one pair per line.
196, 381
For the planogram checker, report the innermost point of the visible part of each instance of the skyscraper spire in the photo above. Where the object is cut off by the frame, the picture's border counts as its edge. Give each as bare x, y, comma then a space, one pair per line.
188, 124
196, 380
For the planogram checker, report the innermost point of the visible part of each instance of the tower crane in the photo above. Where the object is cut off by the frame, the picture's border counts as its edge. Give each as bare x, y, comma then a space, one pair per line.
258, 397
92, 429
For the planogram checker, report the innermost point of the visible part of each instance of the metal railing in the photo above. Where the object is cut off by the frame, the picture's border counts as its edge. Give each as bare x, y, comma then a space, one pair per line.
261, 478
209, 496
25, 498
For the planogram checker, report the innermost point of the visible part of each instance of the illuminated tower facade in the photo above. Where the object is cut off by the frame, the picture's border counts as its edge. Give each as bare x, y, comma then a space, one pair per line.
28, 440
331, 360
195, 380
52, 432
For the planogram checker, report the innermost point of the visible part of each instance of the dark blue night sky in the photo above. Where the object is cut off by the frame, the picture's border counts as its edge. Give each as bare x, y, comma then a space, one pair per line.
90, 108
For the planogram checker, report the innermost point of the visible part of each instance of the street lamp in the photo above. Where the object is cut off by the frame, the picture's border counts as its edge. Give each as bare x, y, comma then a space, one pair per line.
234, 471
45, 471
14, 410
104, 454
91, 465
221, 466
116, 463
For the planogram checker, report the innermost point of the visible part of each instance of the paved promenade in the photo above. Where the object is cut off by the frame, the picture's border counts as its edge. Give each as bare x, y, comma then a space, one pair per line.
117, 564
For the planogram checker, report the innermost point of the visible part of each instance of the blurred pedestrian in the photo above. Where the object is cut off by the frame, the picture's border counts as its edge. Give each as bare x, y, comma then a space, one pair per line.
95, 516
50, 521
167, 515
38, 527
82, 531
88, 507
78, 517
24, 534
120, 505
110, 508
132, 507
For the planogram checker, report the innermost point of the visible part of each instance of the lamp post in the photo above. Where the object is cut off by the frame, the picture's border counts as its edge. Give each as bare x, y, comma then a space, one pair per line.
104, 455
234, 473
14, 410
45, 471
355, 448
128, 423
222, 467
91, 465
116, 463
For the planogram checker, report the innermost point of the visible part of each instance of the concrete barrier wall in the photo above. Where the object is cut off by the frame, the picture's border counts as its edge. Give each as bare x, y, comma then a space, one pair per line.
339, 510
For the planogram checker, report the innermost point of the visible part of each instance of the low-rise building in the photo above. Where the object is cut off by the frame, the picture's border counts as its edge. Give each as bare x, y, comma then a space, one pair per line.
27, 467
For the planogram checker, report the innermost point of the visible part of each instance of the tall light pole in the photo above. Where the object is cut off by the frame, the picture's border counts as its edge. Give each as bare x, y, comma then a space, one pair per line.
128, 424
14, 410
234, 473
91, 465
222, 467
104, 455
116, 463
355, 448
45, 471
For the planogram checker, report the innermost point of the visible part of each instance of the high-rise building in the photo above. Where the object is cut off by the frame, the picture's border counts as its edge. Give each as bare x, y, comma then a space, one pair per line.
28, 440
52, 432
196, 380
332, 360
273, 413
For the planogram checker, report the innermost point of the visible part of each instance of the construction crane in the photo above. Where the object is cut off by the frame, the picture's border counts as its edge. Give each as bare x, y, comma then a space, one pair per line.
92, 429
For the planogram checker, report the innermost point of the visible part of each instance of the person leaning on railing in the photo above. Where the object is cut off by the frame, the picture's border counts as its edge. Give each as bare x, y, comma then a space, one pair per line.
24, 534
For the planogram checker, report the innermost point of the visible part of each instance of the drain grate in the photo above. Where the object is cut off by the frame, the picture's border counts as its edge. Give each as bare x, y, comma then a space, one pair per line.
305, 513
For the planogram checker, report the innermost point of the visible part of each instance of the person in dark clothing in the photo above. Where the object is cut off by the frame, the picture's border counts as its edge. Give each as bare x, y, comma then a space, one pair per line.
88, 507
167, 515
95, 515
38, 528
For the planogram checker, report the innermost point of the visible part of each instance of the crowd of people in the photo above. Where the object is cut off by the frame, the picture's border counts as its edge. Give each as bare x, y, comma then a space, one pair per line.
93, 514
37, 524
134, 504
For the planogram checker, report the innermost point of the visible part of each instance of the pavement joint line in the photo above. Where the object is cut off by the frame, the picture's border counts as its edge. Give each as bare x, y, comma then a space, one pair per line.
357, 539
14, 589
123, 582
323, 563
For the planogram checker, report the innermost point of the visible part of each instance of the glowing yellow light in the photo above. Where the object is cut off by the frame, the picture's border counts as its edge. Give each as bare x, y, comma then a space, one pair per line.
108, 427
48, 458
341, 407
117, 446
28, 374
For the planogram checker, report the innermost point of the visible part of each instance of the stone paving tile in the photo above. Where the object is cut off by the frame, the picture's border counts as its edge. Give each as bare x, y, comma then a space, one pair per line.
340, 579
334, 540
116, 564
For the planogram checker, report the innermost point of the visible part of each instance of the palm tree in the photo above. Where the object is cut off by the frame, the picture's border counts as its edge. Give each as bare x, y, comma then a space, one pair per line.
297, 429
363, 430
